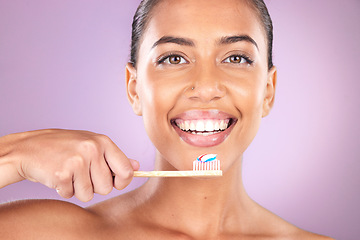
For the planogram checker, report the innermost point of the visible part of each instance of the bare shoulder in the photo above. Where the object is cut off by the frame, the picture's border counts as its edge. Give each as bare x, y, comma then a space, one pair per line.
295, 233
311, 236
44, 219
277, 228
126, 217
117, 212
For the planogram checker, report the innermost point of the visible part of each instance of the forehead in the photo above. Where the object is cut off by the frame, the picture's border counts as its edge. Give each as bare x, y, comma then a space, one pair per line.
203, 20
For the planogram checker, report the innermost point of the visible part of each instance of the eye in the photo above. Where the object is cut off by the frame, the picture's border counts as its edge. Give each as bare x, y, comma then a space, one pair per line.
172, 60
238, 59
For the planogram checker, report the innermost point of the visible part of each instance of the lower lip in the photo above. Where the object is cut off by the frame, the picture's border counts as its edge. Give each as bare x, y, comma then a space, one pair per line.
203, 141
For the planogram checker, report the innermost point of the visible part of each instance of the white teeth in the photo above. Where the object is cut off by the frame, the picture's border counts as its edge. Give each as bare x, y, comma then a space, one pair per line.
222, 125
192, 126
203, 127
200, 126
209, 126
187, 125
182, 125
216, 126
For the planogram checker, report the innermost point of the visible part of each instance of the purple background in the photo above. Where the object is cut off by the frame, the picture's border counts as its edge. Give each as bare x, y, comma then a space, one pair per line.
62, 66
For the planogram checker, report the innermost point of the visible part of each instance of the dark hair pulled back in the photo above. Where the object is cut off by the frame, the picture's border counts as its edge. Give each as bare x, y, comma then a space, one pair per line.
143, 14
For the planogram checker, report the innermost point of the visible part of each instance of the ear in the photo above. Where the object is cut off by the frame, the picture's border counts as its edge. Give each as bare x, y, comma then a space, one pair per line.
269, 95
132, 88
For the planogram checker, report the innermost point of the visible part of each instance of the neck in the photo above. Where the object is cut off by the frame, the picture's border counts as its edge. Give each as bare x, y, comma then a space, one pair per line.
198, 205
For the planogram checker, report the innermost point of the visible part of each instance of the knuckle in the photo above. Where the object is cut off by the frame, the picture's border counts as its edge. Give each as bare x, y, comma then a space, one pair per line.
90, 146
63, 176
104, 138
77, 161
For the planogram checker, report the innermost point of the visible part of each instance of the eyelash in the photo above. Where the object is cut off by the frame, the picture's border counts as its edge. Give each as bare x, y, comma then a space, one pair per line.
244, 57
162, 59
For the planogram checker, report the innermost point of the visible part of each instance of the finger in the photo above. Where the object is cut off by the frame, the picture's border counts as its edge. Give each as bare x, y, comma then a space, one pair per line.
64, 186
135, 164
83, 188
65, 192
119, 164
101, 177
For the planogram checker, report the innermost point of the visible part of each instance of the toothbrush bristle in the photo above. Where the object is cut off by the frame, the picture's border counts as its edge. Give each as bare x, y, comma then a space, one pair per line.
202, 166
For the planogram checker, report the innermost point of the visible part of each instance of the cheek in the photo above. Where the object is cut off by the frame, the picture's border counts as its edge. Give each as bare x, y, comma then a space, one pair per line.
255, 101
248, 95
153, 108
162, 89
158, 96
247, 90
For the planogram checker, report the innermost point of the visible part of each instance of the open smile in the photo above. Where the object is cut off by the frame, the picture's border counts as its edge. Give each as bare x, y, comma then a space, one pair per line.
203, 128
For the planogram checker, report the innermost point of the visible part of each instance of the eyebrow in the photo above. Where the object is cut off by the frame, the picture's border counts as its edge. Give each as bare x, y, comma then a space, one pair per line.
176, 40
190, 43
237, 38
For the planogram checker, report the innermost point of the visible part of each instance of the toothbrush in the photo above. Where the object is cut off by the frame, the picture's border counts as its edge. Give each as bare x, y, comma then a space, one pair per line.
205, 165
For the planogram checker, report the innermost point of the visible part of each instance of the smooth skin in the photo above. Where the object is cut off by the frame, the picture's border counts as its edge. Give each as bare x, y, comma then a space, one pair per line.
206, 73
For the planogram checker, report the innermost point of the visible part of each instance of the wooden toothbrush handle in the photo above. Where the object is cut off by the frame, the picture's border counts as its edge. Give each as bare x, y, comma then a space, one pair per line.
206, 173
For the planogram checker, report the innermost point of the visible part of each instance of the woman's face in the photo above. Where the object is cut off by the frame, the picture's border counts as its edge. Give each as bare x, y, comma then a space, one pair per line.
202, 83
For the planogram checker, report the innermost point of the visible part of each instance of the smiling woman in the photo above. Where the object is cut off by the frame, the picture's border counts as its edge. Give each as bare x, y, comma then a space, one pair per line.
201, 76
195, 68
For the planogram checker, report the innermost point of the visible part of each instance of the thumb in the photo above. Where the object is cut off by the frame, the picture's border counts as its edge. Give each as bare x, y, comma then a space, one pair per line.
135, 164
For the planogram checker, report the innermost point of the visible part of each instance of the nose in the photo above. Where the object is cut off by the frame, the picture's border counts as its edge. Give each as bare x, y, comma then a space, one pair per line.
207, 85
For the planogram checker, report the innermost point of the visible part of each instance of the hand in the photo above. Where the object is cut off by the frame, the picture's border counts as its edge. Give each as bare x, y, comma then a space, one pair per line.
73, 162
